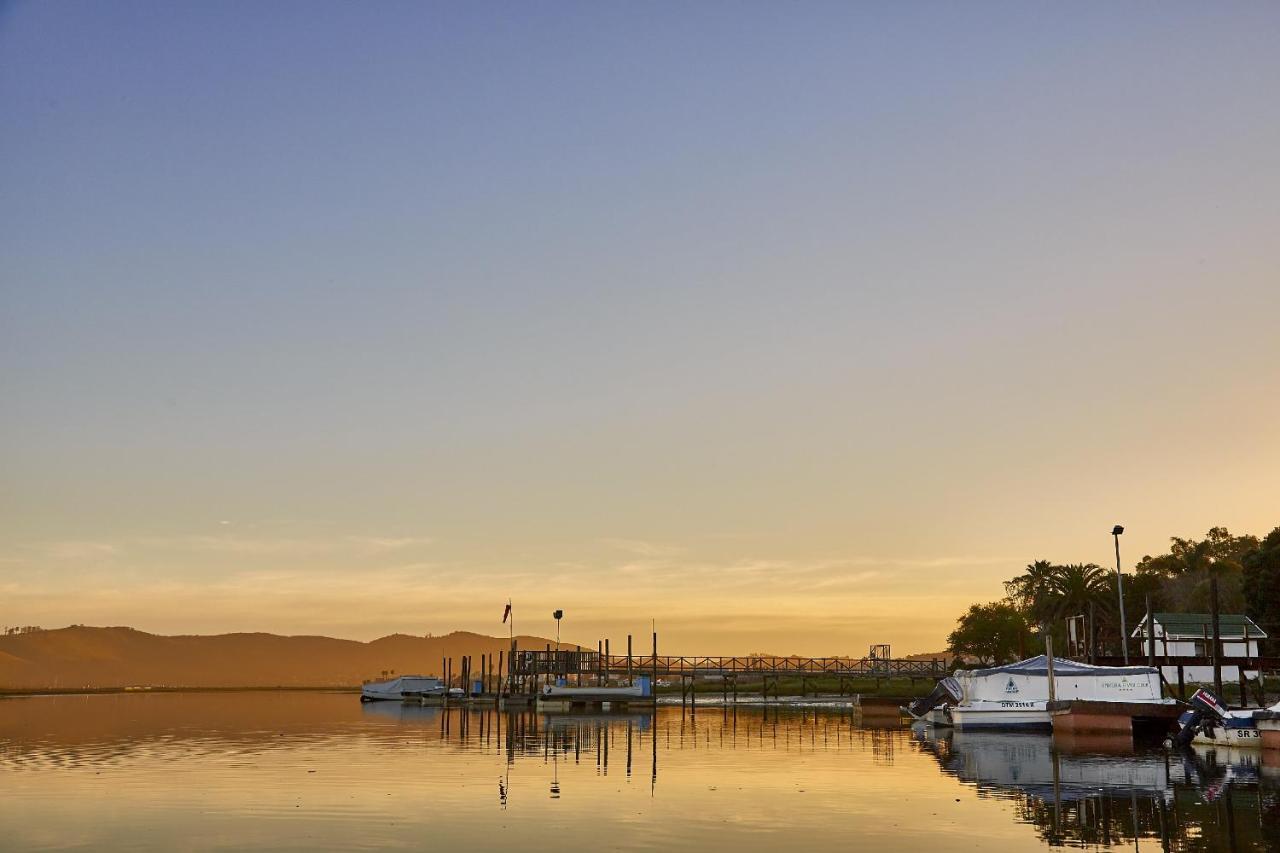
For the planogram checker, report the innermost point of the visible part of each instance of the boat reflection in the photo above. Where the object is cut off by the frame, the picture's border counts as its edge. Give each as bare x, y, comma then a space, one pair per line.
1104, 792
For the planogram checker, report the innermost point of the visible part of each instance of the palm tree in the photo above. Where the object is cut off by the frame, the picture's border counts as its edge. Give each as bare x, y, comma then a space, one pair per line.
1031, 590
1075, 587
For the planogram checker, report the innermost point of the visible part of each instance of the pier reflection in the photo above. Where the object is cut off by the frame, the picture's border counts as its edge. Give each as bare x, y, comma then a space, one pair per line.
272, 770
1104, 792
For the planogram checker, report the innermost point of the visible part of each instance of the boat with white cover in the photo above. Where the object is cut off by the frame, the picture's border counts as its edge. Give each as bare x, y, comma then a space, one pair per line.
403, 687
1017, 695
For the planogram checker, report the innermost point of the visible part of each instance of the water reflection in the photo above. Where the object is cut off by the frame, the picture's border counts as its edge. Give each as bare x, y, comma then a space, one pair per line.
317, 771
1104, 792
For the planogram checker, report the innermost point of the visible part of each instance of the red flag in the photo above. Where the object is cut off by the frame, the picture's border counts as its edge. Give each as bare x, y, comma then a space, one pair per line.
506, 612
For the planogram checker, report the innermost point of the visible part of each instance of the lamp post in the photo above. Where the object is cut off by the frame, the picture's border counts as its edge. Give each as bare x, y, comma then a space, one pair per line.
558, 615
1124, 636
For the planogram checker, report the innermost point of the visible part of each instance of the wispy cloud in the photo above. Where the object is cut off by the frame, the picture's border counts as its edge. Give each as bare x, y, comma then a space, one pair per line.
642, 548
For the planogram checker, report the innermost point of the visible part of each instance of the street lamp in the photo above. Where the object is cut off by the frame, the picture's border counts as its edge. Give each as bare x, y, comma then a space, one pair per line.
560, 663
1124, 636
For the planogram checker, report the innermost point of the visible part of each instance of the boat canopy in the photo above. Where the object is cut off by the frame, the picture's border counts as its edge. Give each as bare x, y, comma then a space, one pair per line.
1039, 666
1027, 681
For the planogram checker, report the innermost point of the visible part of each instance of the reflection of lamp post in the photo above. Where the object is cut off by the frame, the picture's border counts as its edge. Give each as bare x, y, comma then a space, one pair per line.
1124, 635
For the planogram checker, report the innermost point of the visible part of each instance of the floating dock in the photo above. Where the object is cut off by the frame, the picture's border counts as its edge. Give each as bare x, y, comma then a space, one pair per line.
1085, 716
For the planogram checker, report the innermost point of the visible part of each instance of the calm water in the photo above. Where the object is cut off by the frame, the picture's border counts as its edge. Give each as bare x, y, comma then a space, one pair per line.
320, 771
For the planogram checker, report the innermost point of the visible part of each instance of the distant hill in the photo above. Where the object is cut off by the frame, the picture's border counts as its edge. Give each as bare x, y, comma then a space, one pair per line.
82, 656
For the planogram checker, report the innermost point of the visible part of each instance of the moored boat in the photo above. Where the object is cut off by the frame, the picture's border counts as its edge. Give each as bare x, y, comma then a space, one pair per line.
1016, 696
403, 687
1209, 722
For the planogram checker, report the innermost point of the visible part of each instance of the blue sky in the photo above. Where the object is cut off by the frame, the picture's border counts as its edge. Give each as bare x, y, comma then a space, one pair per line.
840, 294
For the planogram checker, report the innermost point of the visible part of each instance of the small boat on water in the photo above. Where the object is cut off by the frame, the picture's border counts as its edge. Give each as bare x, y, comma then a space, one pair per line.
1208, 721
403, 687
1016, 696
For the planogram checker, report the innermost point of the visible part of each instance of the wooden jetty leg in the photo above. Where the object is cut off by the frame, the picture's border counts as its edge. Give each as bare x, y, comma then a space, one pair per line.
630, 681
604, 667
1182, 684
654, 686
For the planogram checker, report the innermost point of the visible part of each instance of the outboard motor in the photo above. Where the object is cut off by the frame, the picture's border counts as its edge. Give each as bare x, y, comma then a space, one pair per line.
948, 690
1206, 713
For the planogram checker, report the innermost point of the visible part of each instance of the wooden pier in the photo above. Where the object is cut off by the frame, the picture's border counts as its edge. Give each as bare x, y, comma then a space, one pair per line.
593, 664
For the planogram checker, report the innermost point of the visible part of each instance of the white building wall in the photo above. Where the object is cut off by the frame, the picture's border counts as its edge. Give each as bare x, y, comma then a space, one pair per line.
1204, 674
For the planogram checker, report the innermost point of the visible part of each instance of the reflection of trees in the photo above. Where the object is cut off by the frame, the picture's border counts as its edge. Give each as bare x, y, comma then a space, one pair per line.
1207, 806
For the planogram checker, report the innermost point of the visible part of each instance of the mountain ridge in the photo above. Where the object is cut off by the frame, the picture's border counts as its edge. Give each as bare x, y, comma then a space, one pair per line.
119, 656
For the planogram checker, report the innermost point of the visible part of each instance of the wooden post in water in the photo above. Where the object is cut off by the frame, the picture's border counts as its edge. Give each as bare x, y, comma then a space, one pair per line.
1151, 634
1217, 634
501, 673
1091, 636
1048, 658
1182, 684
604, 667
630, 680
654, 686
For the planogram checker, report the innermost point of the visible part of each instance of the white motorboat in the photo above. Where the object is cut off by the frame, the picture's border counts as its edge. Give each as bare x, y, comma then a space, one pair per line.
1016, 696
403, 687
1210, 723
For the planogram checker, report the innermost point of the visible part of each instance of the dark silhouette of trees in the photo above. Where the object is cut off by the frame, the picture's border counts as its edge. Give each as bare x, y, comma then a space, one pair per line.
1219, 573
991, 634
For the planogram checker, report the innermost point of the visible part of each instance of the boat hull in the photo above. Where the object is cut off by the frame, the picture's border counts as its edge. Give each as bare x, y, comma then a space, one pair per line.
1236, 737
1002, 715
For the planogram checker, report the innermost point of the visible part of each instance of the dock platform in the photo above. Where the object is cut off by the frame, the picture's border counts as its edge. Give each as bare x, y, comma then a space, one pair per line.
1074, 716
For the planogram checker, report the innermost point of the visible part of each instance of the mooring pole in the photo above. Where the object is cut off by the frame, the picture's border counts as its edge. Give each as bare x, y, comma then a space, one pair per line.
1151, 634
654, 687
630, 681
1048, 657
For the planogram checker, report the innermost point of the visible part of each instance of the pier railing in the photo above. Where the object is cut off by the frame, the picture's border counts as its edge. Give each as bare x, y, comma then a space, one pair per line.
537, 662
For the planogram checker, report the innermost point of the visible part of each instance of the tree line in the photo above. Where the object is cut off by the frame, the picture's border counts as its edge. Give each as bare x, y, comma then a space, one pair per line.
1220, 573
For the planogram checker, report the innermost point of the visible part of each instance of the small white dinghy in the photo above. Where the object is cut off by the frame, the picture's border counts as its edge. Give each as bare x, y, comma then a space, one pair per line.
404, 687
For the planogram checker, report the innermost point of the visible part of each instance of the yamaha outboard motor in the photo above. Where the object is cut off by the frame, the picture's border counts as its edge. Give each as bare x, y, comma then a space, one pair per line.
948, 690
1206, 713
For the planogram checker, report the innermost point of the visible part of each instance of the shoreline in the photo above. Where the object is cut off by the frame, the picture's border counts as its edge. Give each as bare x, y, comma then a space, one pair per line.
18, 692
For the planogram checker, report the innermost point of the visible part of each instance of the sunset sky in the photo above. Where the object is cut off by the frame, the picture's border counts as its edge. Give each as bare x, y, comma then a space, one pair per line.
795, 327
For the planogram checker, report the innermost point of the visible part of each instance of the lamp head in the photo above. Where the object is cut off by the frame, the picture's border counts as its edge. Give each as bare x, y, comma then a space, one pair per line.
559, 614
1117, 530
